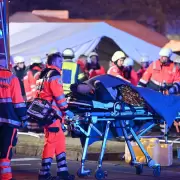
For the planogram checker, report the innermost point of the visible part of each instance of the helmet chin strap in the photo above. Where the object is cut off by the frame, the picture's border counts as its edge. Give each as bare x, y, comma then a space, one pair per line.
165, 63
120, 67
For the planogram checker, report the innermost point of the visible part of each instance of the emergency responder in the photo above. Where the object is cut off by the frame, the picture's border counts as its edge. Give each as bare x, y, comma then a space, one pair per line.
52, 91
72, 72
12, 117
20, 70
31, 77
82, 61
144, 65
52, 51
175, 89
162, 73
117, 68
129, 73
93, 66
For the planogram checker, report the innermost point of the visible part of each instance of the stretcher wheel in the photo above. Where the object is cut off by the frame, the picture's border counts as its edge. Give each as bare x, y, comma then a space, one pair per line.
100, 174
83, 174
157, 170
139, 169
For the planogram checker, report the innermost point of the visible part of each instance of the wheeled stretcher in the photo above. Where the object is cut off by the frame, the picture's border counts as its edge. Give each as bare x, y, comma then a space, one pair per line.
113, 108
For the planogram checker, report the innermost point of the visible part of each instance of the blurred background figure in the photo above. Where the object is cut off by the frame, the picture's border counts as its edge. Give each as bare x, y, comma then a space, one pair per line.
31, 76
176, 61
82, 61
117, 68
93, 65
71, 71
20, 70
129, 73
144, 62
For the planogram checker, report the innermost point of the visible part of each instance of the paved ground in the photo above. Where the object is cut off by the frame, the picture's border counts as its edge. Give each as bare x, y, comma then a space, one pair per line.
27, 169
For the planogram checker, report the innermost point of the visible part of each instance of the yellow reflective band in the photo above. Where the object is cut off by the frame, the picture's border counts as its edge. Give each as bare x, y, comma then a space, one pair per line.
81, 76
71, 66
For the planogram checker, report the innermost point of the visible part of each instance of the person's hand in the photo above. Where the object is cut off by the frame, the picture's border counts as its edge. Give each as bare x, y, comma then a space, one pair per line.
172, 90
24, 124
69, 113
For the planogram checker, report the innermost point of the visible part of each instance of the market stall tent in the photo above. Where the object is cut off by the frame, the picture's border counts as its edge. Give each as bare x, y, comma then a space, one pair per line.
37, 39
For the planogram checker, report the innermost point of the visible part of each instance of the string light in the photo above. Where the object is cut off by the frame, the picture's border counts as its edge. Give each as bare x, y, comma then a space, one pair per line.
130, 96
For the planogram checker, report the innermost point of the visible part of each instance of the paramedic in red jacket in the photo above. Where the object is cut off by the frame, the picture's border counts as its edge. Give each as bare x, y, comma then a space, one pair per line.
54, 137
117, 68
12, 116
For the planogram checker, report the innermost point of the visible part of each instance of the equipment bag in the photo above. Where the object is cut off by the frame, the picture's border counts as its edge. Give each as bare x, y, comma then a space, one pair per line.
40, 110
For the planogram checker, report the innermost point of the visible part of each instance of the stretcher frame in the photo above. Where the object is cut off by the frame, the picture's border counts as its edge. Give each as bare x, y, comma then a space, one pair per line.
124, 117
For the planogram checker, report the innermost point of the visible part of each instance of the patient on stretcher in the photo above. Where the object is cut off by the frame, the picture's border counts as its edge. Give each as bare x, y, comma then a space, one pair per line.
93, 91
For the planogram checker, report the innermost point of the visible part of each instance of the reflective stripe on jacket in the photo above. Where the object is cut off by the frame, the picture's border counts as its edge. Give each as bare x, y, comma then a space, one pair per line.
52, 90
12, 106
157, 74
71, 74
30, 82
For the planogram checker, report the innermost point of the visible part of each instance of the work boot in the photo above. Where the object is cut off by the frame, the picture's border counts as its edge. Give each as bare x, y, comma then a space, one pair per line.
46, 177
69, 177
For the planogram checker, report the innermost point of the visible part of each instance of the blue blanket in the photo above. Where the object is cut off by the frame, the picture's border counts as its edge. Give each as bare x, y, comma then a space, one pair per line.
165, 106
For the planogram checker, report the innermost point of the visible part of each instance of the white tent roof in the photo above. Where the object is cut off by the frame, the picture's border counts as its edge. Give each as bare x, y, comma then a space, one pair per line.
37, 39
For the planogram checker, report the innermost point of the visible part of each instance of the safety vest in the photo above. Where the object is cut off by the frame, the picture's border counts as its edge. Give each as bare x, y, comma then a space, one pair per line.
70, 75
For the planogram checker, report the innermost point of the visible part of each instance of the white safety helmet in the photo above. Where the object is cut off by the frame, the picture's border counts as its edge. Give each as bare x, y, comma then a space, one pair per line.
177, 59
167, 52
69, 53
53, 51
18, 59
118, 55
93, 54
36, 59
128, 62
144, 59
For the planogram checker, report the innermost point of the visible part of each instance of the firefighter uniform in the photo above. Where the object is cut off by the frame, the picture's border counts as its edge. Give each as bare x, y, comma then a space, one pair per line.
52, 91
71, 71
31, 77
161, 72
161, 75
157, 75
12, 114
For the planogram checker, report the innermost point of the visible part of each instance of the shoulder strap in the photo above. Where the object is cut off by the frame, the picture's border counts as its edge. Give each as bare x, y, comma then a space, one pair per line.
47, 75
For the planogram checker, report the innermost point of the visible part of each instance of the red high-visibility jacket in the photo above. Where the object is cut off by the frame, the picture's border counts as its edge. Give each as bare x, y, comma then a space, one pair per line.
12, 106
